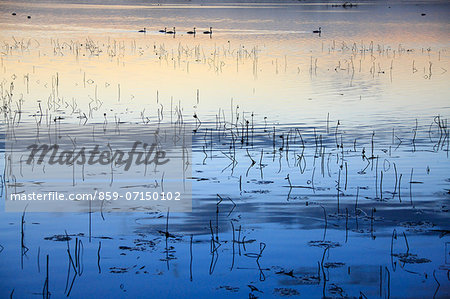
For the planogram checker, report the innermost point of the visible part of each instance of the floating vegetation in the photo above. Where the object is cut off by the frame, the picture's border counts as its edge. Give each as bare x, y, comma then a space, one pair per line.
118, 270
410, 258
63, 238
417, 226
333, 265
228, 288
286, 292
336, 290
324, 244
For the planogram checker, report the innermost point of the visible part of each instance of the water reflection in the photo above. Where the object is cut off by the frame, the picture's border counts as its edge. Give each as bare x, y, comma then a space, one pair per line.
319, 163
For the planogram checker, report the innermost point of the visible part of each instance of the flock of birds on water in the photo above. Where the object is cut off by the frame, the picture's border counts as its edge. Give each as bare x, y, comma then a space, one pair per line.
173, 31
193, 32
210, 31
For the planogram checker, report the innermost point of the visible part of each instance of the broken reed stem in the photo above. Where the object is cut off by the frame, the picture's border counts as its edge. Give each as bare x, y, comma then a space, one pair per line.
346, 225
98, 256
356, 207
346, 174
191, 257
45, 292
371, 222
376, 179
381, 185
396, 181
338, 189
90, 221
326, 222
410, 187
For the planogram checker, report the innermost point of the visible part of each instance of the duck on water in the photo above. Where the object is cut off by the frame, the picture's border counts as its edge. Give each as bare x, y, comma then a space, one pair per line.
208, 31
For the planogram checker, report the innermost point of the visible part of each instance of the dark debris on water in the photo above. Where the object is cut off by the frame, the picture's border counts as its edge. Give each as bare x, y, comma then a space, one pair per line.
63, 238
286, 292
324, 244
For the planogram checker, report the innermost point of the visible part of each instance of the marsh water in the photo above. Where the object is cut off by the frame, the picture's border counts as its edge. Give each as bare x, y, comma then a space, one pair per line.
319, 162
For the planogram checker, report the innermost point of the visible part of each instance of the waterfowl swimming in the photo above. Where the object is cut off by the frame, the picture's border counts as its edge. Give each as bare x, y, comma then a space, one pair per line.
208, 32
318, 31
163, 30
13, 13
171, 32
191, 32
143, 30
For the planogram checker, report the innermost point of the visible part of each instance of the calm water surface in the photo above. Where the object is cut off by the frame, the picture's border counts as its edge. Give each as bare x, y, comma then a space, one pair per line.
330, 151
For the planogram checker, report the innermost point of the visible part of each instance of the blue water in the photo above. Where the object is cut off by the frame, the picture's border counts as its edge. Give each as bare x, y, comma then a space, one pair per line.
308, 179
